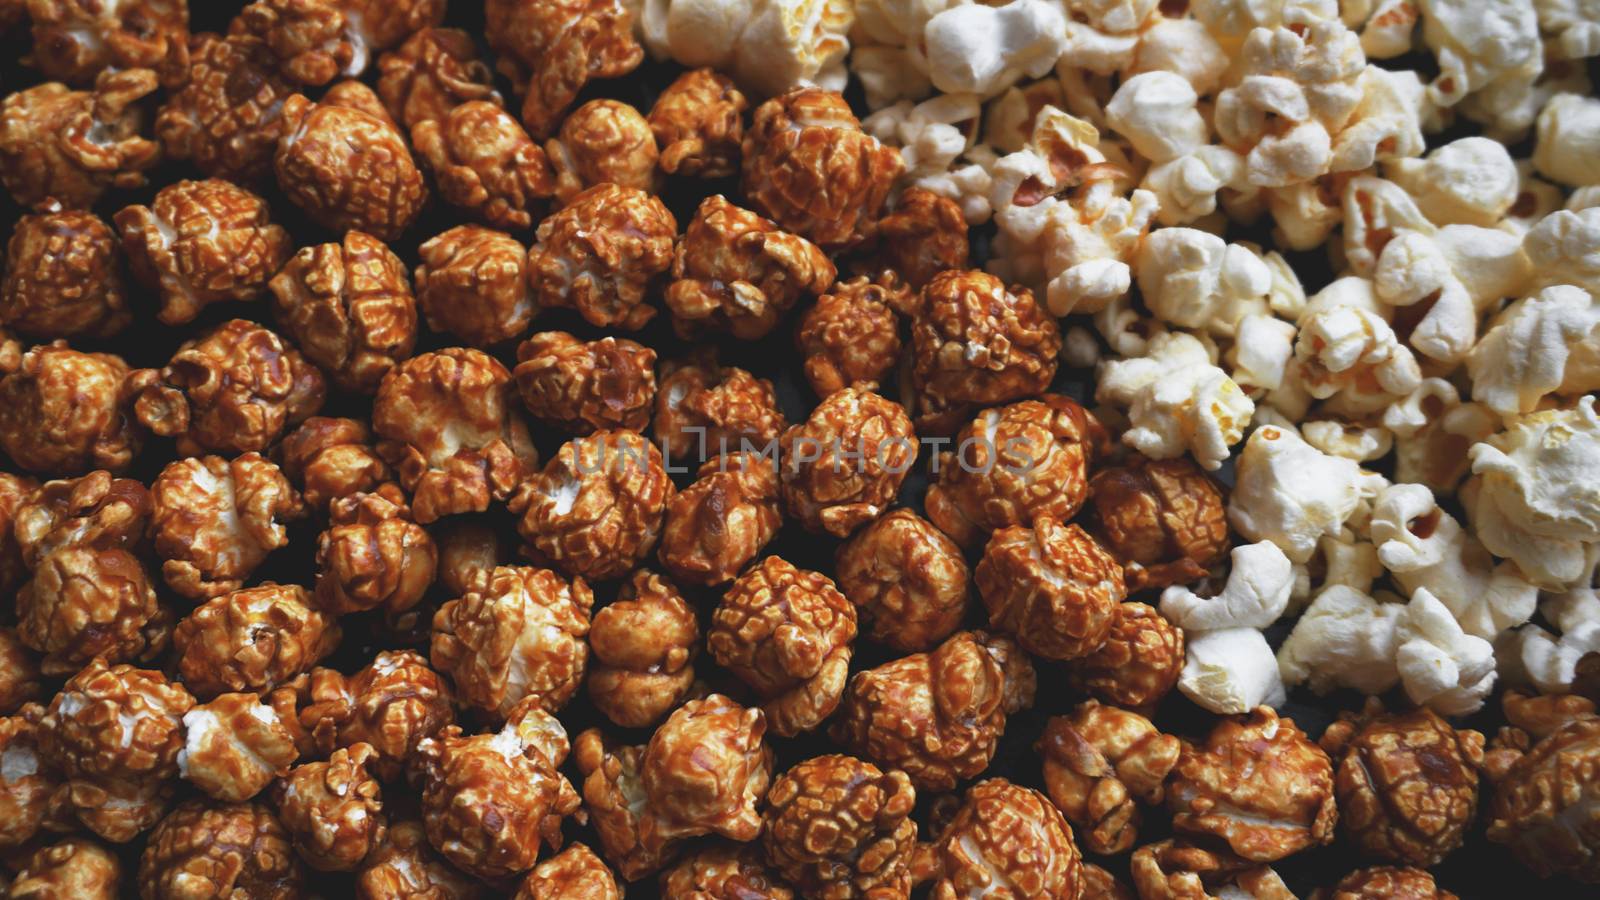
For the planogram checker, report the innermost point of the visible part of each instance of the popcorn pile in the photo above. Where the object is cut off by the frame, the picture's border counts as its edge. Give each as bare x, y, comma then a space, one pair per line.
538, 579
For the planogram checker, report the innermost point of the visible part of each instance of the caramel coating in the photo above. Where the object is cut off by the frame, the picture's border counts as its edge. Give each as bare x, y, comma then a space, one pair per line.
808, 166
596, 509
202, 242
14, 492
390, 705
787, 633
1178, 870
470, 284
116, 722
20, 680
405, 867
909, 581
29, 783
551, 49
96, 511
66, 147
235, 746
328, 458
1543, 806
718, 524
347, 169
1257, 784
938, 716
75, 40
207, 849
333, 810
851, 336
698, 122
215, 521
63, 412
644, 646
604, 254
1165, 519
252, 639
1385, 883
1100, 763
117, 809
844, 465
349, 307
839, 827
433, 72
373, 556
704, 410
76, 868
63, 278
486, 163
85, 603
234, 389
1006, 838
489, 800
228, 115
723, 870
388, 23
468, 548
1137, 665
602, 141
1100, 884
737, 272
446, 426
312, 39
581, 387
573, 873
1052, 587
1015, 465
924, 235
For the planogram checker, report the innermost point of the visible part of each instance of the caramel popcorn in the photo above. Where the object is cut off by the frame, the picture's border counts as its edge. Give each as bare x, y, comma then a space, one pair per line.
62, 278
328, 459
214, 521
1542, 807
1006, 838
1052, 587
470, 285
1385, 883
117, 809
842, 467
234, 746
333, 810
603, 141
1165, 519
603, 254
574, 872
923, 235
550, 50
1139, 663
469, 547
698, 122
313, 41
373, 556
69, 147
76, 40
96, 511
405, 866
908, 581
808, 165
433, 72
866, 813
485, 163
349, 307
582, 387
347, 169
1174, 869
851, 335
723, 870
63, 412
75, 868
718, 524
1100, 763
28, 782
252, 640
220, 850
20, 680
116, 722
86, 602
227, 116
390, 705
704, 410
644, 645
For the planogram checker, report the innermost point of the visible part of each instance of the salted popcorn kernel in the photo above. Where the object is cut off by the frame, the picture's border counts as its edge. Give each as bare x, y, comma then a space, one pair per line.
1541, 345
1177, 401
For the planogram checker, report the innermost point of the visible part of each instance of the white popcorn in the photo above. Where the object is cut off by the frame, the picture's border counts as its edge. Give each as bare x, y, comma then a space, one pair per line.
1354, 442
985, 49
1585, 197
1508, 107
1262, 349
1536, 198
1345, 639
931, 137
1549, 661
1351, 351
1575, 23
1156, 112
1568, 146
1534, 497
1230, 671
1564, 248
1236, 18
1187, 187
1127, 333
1440, 666
767, 46
1425, 548
1544, 344
1413, 268
1471, 181
1386, 32
1079, 349
1228, 667
1062, 152
1387, 124
1432, 429
888, 56
1376, 209
1302, 215
1292, 494
1184, 47
1008, 119
1194, 279
1349, 561
1286, 297
1480, 43
1176, 401
1255, 595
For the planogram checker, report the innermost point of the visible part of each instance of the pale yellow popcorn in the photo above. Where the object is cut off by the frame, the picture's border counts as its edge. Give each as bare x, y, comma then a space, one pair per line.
930, 135
1361, 443
1386, 29
986, 49
1508, 107
1461, 271
1564, 248
1479, 44
767, 46
1440, 666
1228, 667
1302, 214
1103, 35
1156, 112
1376, 209
1292, 494
1550, 662
1186, 187
1574, 23
1262, 351
1386, 124
1347, 349
1470, 181
1536, 198
1185, 47
1345, 639
1545, 344
1567, 149
888, 56
1177, 401
1432, 428
1194, 279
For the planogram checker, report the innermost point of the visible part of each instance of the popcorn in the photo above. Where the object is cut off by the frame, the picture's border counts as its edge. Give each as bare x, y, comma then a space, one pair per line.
1539, 345
1375, 210
1185, 47
1194, 279
986, 49
1575, 25
767, 46
1568, 129
1352, 352
1177, 401
1262, 349
1156, 112
1458, 271
1551, 662
1470, 181
1481, 44
1440, 666
1229, 669
931, 138
1103, 36
1386, 32
1349, 441
1186, 187
889, 57
1564, 248
1290, 493
1345, 639
1386, 124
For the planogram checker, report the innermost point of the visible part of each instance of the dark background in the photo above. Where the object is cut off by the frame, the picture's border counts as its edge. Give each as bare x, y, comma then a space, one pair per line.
1477, 870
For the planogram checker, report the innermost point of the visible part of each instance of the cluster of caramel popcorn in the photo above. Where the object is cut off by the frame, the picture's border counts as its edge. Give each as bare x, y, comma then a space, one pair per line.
566, 494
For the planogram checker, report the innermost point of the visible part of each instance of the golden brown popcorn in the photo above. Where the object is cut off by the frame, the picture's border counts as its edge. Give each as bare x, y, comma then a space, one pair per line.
924, 235
390, 705
518, 634
843, 466
404, 867
1100, 763
96, 511
569, 875
1178, 870
63, 412
602, 141
373, 556
60, 146
644, 647
1052, 587
352, 94
723, 870
86, 602
786, 632
333, 810
704, 410
388, 23
446, 425
488, 801
718, 524
1137, 665
1543, 807
328, 458
1257, 784
434, 71
581, 387
20, 680
851, 336
1165, 519
1006, 838
1015, 465
252, 640
227, 117
347, 169
75, 868
235, 389
469, 547
63, 278
484, 162
975, 343
215, 520
234, 746
551, 49
209, 849
698, 122
117, 809
809, 166
1406, 784
75, 40
116, 722
596, 509
29, 782
202, 242
737, 272
938, 716
865, 814
1385, 882
908, 581
14, 492
348, 305
313, 40
603, 255
470, 284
